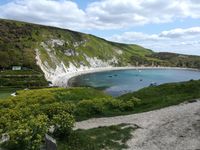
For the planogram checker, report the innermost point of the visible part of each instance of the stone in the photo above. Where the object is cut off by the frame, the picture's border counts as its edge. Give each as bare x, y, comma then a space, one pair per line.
50, 143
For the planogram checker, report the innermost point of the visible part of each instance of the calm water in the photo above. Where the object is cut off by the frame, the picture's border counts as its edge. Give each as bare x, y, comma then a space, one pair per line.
123, 81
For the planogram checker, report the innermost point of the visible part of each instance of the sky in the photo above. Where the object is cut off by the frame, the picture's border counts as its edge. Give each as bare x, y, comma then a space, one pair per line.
160, 25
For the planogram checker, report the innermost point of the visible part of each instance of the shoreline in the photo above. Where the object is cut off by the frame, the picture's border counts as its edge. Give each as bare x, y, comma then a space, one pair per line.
63, 79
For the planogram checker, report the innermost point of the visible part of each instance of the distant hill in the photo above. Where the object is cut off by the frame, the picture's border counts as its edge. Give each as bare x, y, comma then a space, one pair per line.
54, 51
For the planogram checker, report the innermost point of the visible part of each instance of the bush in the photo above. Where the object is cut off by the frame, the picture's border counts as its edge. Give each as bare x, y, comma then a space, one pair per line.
104, 106
90, 107
28, 116
62, 123
27, 134
57, 108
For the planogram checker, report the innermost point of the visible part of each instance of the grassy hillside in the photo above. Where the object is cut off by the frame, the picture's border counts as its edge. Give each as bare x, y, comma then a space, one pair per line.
164, 95
178, 60
19, 40
61, 50
93, 103
28, 116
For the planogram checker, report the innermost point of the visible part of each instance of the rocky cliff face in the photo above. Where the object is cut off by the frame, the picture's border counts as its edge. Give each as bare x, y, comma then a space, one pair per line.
56, 66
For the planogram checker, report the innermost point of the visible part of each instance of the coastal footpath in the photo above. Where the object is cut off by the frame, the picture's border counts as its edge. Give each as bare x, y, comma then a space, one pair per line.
176, 127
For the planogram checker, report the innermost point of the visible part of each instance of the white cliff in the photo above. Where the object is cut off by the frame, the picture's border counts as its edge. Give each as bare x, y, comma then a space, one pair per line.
60, 73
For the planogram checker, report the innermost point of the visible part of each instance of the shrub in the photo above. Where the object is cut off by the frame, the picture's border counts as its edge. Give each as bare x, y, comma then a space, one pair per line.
62, 123
27, 134
104, 106
57, 108
89, 108
28, 116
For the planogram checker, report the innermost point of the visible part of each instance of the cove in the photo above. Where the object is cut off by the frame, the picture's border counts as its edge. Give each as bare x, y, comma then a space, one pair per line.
118, 82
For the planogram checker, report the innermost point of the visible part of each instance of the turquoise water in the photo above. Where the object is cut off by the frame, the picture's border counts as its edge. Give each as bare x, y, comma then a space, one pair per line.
119, 82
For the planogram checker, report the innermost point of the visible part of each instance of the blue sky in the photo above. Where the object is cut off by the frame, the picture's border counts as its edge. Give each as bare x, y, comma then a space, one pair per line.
172, 25
4, 1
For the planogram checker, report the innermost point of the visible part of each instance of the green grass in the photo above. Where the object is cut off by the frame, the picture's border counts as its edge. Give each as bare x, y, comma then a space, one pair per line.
107, 138
164, 95
73, 95
88, 102
93, 103
19, 41
5, 92
22, 79
85, 103
18, 72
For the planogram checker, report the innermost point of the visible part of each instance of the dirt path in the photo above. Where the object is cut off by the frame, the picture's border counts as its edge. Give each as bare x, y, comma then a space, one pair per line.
172, 128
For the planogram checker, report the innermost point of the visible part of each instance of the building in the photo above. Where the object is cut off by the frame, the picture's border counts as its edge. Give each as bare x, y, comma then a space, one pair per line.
16, 68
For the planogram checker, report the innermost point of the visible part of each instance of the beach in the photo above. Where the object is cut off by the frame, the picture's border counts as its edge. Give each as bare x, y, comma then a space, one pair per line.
62, 79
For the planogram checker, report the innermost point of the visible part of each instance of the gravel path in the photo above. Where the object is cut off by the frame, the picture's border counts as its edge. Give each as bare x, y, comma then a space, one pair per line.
171, 128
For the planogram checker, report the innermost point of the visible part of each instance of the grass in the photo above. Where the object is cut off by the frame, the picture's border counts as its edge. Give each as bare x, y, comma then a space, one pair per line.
164, 95
73, 95
19, 41
107, 138
76, 95
5, 92
18, 72
86, 103
22, 79
93, 103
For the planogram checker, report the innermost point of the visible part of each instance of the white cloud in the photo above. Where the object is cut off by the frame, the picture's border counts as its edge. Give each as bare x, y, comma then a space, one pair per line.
104, 14
127, 13
180, 40
49, 12
178, 33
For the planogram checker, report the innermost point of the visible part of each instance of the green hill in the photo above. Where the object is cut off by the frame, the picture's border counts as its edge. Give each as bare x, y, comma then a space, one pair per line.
19, 40
54, 51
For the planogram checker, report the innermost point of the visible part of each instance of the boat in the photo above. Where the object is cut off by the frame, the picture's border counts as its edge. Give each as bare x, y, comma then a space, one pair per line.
153, 84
